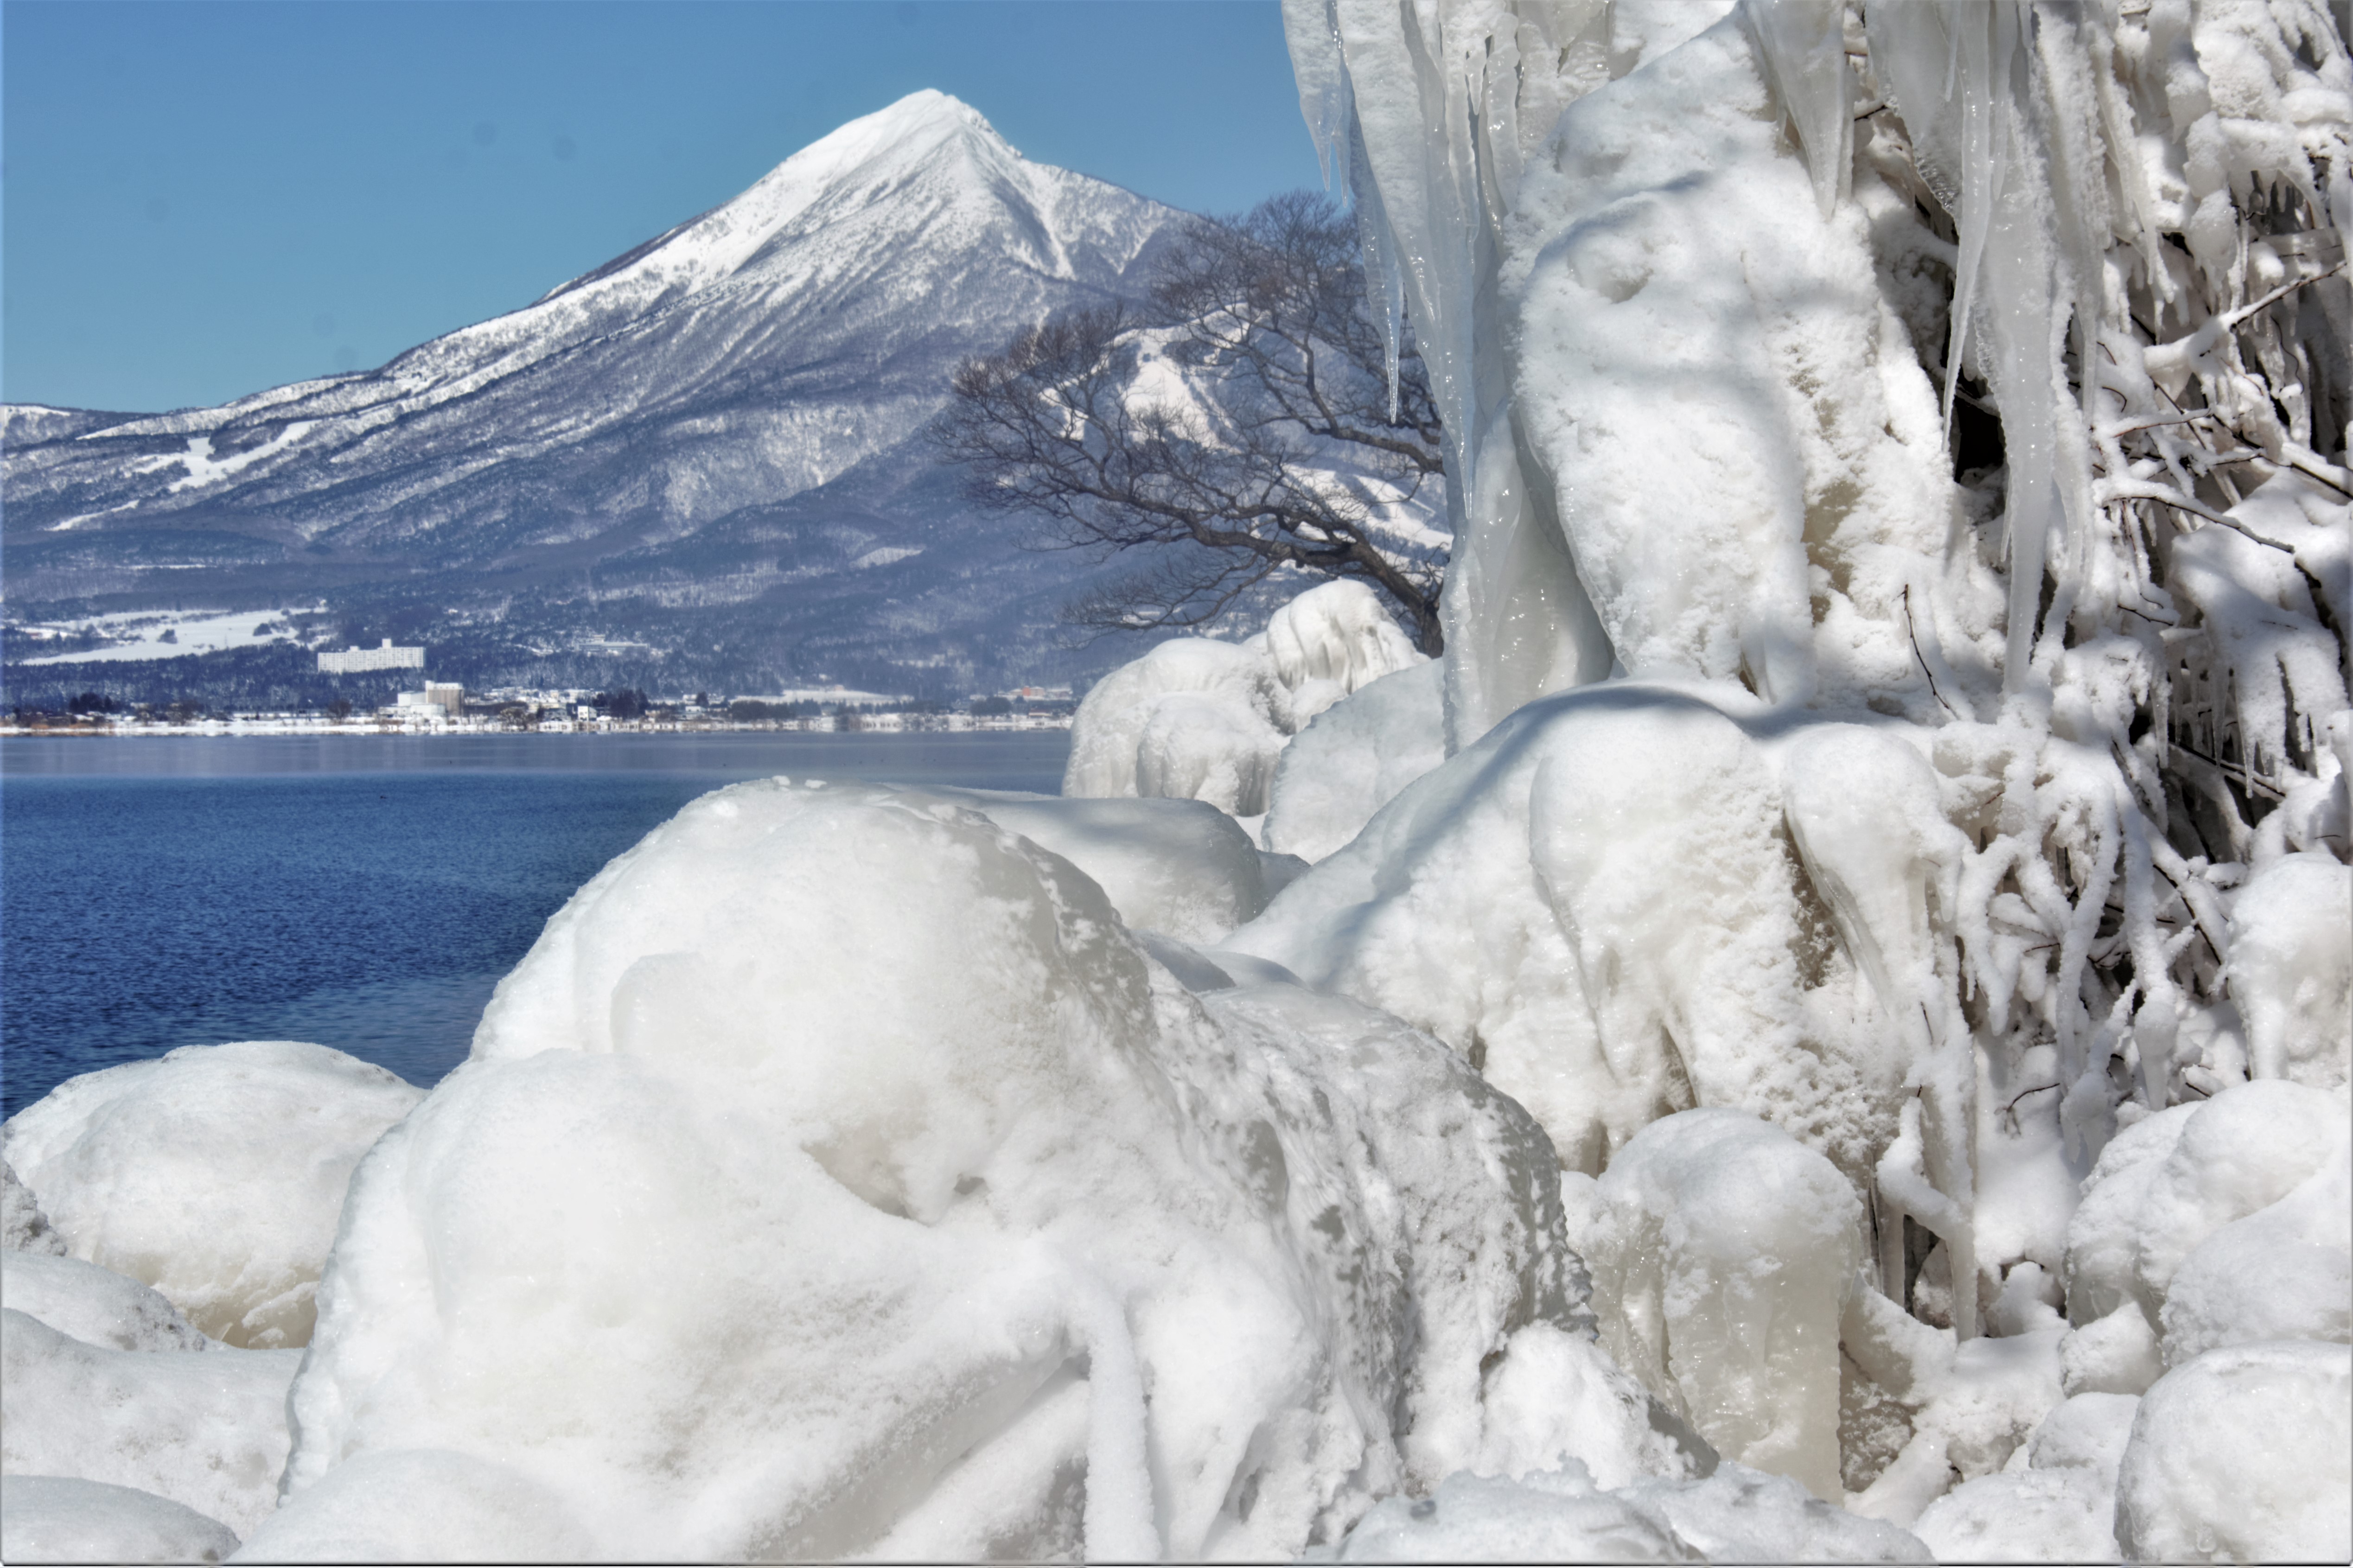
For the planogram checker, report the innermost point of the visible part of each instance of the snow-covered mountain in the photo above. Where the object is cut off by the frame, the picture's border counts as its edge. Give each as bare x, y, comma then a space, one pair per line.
709, 445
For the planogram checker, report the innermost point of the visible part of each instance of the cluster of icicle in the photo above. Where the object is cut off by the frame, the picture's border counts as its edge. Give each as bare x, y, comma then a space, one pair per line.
2121, 228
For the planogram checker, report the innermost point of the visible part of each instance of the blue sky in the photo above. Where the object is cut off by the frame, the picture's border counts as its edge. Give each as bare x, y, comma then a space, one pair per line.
203, 199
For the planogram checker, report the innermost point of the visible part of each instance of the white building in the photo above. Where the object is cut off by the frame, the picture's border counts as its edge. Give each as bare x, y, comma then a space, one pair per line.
354, 660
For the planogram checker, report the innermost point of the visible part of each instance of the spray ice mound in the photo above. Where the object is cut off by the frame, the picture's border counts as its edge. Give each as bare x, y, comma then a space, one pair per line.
1601, 905
1355, 758
1199, 720
208, 1431
1179, 867
915, 1178
2292, 969
2220, 1224
214, 1173
57, 1519
2241, 1455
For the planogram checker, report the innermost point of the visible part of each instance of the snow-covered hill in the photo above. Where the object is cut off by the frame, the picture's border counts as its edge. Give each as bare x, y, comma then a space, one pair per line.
710, 440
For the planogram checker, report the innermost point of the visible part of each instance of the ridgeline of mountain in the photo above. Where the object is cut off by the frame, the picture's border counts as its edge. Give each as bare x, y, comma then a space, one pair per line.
709, 446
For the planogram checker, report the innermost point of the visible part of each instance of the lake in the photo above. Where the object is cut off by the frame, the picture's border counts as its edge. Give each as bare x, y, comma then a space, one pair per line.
364, 892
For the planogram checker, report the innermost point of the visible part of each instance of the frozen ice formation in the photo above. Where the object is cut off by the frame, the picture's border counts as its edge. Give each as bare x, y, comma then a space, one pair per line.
1722, 1251
975, 1201
214, 1174
57, 1519
1200, 720
1353, 759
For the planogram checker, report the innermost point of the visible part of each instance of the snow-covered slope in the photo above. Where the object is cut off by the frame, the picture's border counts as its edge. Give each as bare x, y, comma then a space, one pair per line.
651, 415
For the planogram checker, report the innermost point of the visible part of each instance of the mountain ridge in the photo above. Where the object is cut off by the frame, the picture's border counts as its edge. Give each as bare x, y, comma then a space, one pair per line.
786, 345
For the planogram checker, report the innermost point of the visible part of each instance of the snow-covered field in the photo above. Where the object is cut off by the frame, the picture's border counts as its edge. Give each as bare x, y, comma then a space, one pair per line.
1819, 1030
160, 634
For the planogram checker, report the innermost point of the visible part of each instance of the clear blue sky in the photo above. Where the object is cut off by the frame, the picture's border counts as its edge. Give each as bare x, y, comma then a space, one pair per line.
202, 198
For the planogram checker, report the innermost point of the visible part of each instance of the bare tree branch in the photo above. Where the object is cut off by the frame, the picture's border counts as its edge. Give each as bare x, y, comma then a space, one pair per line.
1242, 420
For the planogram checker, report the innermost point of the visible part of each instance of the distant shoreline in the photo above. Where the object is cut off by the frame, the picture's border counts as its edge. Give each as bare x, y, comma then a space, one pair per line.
865, 724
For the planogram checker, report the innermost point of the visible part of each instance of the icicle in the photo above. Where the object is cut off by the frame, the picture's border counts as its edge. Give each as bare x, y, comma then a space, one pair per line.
1803, 46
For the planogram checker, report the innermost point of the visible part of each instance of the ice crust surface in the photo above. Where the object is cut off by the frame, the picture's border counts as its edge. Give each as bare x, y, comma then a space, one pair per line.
214, 1173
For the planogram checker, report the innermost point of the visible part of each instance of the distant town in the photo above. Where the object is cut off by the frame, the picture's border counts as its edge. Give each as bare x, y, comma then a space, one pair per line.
443, 708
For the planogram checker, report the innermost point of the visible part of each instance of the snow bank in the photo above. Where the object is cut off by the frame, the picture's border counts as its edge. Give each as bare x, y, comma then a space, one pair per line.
57, 1519
1735, 1515
1199, 720
2241, 1455
1722, 1251
93, 1304
207, 1431
906, 1202
1179, 867
214, 1173
1354, 759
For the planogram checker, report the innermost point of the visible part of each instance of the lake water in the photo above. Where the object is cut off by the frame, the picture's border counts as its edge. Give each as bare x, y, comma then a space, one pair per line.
363, 892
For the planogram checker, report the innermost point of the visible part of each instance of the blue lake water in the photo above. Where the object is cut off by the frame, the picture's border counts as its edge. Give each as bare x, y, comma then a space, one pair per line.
363, 892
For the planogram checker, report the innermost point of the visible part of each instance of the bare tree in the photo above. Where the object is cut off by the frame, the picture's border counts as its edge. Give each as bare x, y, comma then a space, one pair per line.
1246, 418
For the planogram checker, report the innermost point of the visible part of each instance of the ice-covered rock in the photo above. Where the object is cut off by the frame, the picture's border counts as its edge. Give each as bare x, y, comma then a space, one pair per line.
1722, 1251
60, 1519
207, 1431
2292, 969
1196, 719
916, 1182
214, 1173
93, 1304
2241, 1455
1179, 867
1353, 759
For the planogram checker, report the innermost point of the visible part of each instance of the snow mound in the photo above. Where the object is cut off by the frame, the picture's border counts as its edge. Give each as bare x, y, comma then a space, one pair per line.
93, 1304
1353, 759
207, 1431
57, 1519
1722, 1251
2241, 1455
906, 1202
1179, 867
1734, 1515
214, 1173
1199, 720
368, 1510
